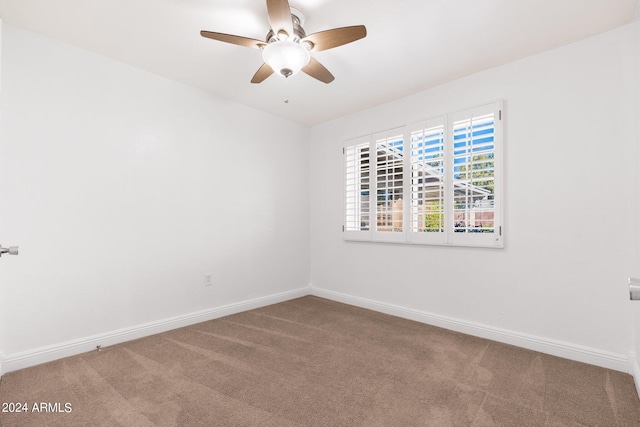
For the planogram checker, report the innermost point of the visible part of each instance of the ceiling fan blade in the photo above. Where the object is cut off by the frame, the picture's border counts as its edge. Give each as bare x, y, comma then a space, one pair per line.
318, 71
229, 38
328, 39
279, 13
262, 73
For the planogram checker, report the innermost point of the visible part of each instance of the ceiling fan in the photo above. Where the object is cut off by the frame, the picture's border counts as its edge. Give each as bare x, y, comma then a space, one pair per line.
287, 48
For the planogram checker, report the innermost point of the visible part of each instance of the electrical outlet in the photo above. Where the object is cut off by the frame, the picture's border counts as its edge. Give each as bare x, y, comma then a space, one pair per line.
208, 279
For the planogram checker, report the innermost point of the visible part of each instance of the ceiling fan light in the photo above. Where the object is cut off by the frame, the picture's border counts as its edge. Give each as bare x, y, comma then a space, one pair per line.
285, 57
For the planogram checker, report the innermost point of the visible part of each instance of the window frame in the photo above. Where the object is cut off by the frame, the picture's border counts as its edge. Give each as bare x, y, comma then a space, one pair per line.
448, 236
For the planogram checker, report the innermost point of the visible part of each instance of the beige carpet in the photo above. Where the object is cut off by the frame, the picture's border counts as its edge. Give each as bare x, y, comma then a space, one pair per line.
314, 362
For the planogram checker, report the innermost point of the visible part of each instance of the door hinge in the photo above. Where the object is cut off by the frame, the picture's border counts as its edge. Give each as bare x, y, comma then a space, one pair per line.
343, 228
499, 114
500, 230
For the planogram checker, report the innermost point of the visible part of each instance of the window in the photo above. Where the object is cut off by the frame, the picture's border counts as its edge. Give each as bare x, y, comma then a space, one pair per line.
435, 182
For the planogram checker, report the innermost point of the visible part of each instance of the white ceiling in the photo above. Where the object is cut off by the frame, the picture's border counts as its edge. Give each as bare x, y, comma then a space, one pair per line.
411, 45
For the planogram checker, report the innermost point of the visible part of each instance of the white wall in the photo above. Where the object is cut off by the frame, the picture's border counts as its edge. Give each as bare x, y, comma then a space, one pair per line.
560, 282
123, 189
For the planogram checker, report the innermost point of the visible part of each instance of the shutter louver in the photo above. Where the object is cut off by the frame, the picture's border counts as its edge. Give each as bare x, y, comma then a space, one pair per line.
357, 187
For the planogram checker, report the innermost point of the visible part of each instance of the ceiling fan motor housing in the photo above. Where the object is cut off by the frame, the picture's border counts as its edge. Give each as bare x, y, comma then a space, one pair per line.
298, 32
285, 53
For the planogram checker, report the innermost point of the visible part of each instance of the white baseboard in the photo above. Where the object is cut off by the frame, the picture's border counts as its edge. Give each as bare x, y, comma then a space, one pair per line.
565, 350
635, 370
13, 362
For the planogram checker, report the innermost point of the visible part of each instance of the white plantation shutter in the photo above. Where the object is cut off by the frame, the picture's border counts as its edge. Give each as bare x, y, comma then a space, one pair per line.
427, 185
357, 189
475, 137
389, 185
434, 182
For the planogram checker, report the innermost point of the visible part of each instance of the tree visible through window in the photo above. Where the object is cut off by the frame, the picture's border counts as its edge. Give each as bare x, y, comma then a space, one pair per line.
427, 179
